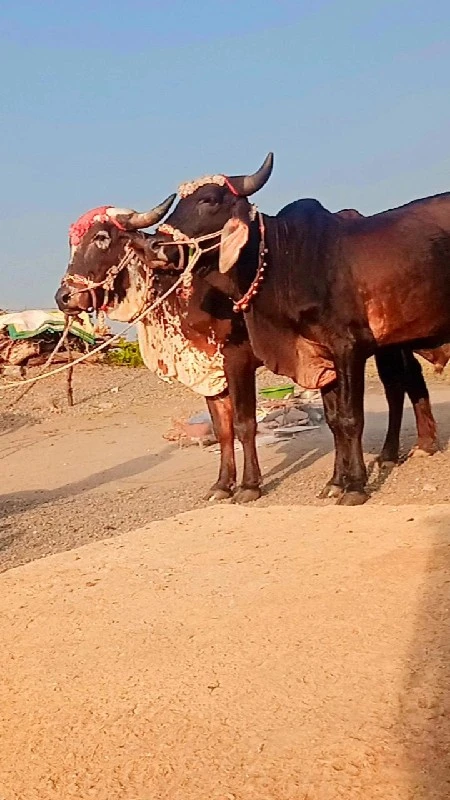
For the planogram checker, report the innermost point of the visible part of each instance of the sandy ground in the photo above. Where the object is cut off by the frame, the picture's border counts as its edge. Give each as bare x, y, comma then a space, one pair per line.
233, 653
292, 650
103, 468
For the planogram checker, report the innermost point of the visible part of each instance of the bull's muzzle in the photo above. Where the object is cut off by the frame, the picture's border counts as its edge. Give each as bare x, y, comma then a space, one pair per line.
71, 302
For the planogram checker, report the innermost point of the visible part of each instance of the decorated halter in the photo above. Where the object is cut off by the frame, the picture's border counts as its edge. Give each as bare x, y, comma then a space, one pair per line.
186, 189
80, 283
79, 228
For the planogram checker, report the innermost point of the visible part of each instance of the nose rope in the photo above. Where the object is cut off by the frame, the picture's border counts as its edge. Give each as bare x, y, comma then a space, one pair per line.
179, 236
87, 284
140, 316
83, 284
195, 251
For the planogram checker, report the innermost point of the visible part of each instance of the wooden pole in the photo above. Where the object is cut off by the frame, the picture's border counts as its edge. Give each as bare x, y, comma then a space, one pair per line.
69, 375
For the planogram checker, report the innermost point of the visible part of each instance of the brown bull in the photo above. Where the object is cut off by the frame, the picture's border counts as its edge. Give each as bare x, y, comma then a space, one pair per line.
321, 293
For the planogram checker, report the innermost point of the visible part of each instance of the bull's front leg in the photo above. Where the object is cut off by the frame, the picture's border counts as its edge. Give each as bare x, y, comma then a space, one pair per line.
335, 487
350, 360
221, 411
240, 369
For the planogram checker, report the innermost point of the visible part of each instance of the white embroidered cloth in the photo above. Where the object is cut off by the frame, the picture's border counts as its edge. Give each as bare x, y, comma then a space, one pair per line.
166, 350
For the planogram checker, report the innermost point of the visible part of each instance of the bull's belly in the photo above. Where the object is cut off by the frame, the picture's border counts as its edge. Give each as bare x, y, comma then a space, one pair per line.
394, 319
286, 353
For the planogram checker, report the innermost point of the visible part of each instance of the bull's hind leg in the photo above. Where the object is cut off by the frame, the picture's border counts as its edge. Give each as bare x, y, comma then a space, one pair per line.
221, 411
390, 365
240, 368
427, 440
401, 372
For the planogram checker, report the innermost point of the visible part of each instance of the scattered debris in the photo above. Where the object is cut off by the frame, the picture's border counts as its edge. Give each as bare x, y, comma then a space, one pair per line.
290, 416
289, 430
280, 418
198, 430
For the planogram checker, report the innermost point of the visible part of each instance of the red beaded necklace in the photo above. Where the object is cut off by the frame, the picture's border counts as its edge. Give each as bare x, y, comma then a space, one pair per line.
253, 289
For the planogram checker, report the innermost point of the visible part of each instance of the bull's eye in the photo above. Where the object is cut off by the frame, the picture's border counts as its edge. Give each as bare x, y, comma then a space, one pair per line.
210, 201
102, 239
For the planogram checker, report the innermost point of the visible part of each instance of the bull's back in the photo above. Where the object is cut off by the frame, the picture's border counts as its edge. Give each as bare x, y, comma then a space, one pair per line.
400, 266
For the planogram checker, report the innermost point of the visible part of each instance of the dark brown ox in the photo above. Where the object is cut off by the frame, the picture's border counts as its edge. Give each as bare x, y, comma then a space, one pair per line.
322, 293
98, 245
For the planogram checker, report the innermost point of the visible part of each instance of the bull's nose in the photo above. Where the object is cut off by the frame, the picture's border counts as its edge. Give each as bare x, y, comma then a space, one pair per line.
62, 298
155, 245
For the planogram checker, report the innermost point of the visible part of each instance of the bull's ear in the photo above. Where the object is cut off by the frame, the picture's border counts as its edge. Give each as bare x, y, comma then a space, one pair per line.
234, 238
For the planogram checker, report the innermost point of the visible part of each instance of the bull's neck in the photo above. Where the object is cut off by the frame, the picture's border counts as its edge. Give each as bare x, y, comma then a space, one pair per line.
239, 280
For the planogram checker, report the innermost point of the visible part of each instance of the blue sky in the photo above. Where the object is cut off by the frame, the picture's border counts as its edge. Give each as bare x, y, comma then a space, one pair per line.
116, 103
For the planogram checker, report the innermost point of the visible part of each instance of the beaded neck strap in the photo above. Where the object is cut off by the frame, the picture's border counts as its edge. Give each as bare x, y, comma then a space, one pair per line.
253, 289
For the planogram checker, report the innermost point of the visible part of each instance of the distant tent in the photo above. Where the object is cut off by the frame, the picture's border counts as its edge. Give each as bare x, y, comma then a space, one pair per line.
35, 322
27, 337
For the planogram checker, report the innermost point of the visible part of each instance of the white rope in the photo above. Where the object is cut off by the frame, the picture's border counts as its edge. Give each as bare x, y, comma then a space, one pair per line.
116, 337
185, 279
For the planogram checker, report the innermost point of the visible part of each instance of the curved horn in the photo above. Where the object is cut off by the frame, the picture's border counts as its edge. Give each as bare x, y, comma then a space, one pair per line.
249, 184
114, 212
132, 220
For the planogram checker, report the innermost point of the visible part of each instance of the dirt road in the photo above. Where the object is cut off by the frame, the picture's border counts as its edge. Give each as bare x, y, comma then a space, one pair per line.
232, 653
278, 652
102, 468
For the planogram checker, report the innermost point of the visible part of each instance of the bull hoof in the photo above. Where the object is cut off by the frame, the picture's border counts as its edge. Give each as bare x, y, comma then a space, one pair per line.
352, 499
387, 459
422, 450
217, 493
330, 490
386, 465
246, 495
